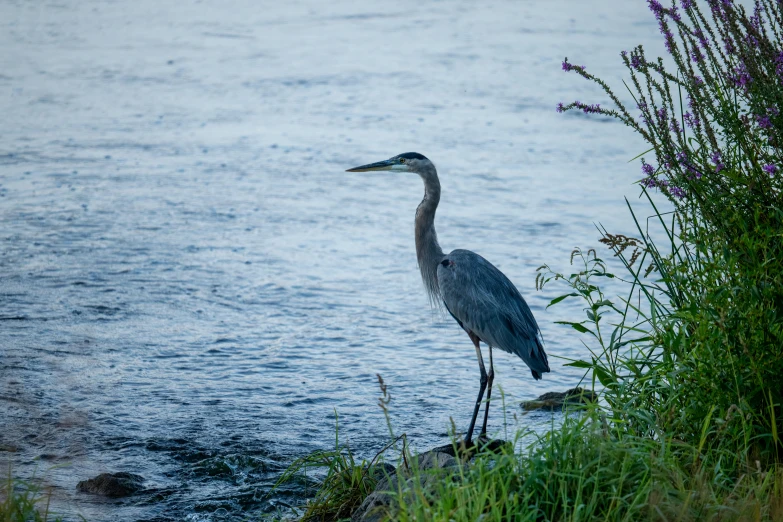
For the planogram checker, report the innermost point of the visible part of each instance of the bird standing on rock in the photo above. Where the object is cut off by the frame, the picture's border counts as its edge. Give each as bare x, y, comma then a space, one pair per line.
477, 295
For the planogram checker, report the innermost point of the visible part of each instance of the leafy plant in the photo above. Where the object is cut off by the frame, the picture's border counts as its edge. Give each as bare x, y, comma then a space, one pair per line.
706, 361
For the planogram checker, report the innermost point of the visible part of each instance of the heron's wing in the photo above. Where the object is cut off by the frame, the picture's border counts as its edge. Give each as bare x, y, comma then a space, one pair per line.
484, 301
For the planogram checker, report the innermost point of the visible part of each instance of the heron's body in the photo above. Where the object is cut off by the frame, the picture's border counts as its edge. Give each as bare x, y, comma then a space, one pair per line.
479, 296
486, 303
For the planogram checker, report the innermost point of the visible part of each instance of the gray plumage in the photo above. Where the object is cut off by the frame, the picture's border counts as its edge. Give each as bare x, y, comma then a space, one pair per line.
479, 297
486, 303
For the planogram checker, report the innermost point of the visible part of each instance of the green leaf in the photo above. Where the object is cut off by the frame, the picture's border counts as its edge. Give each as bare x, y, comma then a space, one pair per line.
576, 326
580, 364
558, 299
603, 376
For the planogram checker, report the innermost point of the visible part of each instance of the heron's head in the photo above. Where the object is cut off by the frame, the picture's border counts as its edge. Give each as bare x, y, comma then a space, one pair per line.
405, 162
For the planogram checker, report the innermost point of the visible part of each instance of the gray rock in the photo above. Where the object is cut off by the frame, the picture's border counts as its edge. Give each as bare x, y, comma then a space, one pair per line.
433, 465
435, 459
557, 400
113, 485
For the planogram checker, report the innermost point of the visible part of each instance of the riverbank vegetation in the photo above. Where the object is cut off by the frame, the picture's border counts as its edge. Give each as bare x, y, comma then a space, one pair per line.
689, 360
22, 501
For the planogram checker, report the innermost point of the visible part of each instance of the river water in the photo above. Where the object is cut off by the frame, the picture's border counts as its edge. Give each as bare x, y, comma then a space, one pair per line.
191, 284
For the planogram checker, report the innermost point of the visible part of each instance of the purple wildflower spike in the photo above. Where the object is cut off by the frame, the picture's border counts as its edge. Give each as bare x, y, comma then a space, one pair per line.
716, 160
691, 120
569, 66
677, 192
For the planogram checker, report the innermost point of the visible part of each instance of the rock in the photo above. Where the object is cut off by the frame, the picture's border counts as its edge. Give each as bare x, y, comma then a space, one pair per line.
381, 470
433, 464
112, 485
556, 400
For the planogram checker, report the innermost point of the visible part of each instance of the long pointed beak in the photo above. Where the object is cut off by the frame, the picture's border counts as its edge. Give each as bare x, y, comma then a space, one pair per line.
381, 165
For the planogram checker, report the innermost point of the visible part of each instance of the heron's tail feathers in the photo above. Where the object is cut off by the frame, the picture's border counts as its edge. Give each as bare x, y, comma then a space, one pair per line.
537, 360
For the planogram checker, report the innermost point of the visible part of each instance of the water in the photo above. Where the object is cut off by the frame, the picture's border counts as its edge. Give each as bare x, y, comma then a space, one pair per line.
192, 285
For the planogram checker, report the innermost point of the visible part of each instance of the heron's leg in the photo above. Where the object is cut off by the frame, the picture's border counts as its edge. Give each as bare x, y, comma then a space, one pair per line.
490, 378
475, 340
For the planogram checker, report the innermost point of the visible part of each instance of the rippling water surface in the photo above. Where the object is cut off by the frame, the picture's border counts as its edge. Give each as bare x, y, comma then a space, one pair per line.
192, 285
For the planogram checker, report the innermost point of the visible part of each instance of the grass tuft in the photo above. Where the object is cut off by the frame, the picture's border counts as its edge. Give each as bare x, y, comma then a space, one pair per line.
23, 501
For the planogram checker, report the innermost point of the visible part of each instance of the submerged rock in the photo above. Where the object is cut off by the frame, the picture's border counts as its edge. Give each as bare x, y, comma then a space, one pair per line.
556, 400
112, 485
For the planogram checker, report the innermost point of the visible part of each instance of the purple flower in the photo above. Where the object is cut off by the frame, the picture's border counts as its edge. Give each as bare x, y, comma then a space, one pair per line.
763, 122
677, 192
636, 61
588, 109
649, 183
669, 41
655, 7
569, 67
686, 4
773, 111
703, 42
647, 169
696, 55
560, 107
716, 10
698, 80
779, 65
691, 120
716, 160
661, 113
674, 14
729, 46
769, 169
682, 156
675, 127
741, 76
755, 20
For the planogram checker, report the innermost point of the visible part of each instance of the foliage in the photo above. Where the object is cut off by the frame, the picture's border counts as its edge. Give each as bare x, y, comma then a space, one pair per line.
20, 501
704, 357
586, 470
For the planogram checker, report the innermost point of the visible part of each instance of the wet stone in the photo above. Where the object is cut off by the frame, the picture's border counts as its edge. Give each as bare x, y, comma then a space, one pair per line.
557, 400
113, 485
433, 465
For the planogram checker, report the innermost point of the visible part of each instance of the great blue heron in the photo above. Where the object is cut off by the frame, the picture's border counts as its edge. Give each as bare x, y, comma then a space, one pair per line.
476, 294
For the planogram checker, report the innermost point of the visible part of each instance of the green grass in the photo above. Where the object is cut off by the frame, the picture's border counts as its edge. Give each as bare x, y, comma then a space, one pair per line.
23, 501
583, 471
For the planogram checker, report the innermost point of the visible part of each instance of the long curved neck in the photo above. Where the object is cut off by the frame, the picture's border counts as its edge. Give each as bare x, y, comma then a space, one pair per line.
428, 251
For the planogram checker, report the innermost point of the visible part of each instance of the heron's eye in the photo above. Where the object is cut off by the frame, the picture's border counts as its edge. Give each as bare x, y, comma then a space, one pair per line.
402, 160
445, 262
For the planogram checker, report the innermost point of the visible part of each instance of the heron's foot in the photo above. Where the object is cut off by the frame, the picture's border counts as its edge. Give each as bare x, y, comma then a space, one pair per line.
466, 449
484, 444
